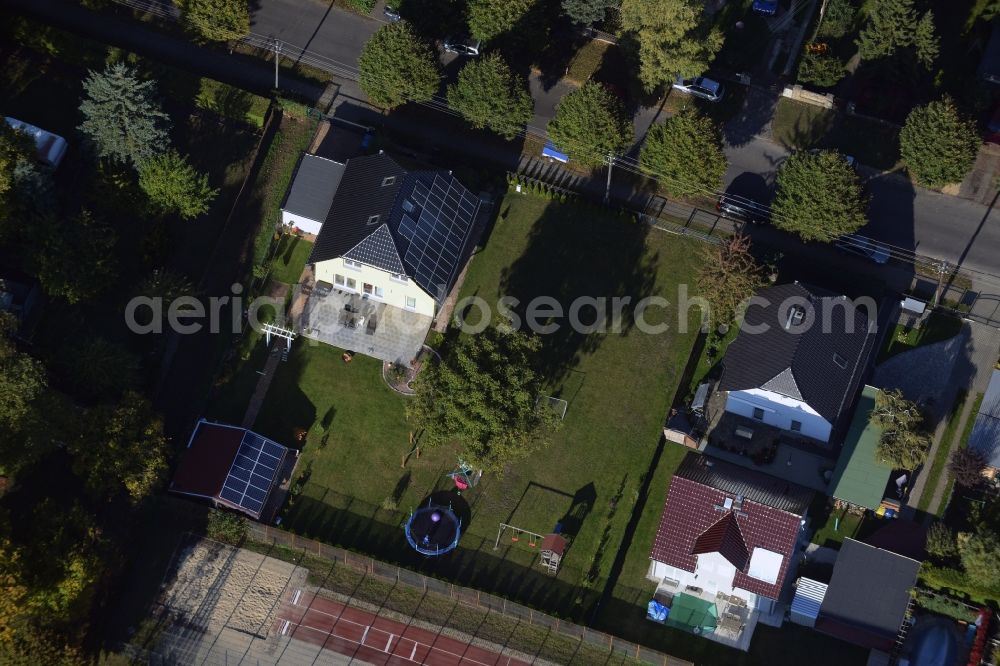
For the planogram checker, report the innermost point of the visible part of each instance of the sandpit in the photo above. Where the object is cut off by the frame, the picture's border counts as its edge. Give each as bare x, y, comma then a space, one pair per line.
216, 586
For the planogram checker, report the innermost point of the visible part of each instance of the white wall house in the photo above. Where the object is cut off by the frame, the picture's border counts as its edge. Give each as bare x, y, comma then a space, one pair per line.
799, 360
393, 289
389, 252
779, 411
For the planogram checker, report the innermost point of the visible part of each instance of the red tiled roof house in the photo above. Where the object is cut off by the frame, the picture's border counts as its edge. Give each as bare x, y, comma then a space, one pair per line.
728, 530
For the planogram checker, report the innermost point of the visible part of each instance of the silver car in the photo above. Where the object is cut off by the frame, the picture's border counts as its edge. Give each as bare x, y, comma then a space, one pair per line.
700, 86
462, 46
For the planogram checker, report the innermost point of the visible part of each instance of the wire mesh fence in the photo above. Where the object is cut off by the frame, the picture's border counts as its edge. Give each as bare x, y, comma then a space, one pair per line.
401, 579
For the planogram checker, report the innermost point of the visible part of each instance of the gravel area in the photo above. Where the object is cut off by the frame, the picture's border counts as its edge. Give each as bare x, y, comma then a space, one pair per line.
217, 586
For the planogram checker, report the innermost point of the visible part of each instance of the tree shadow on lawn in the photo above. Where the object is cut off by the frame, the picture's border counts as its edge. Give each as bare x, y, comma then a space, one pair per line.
579, 251
288, 408
336, 519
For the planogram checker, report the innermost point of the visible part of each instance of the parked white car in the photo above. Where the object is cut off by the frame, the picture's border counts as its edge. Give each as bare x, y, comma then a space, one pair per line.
51, 148
700, 87
462, 45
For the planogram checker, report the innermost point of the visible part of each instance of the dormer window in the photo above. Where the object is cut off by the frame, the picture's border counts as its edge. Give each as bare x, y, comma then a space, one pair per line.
388, 180
795, 316
373, 219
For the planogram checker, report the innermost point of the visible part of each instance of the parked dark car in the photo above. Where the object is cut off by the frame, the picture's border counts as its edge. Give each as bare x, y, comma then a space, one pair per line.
391, 14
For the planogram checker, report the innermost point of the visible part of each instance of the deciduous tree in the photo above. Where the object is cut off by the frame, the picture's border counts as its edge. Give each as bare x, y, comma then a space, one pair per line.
819, 196
75, 260
967, 466
22, 378
121, 118
904, 441
981, 558
216, 20
488, 19
174, 186
96, 368
589, 124
684, 153
15, 147
728, 276
938, 144
121, 449
824, 71
396, 67
941, 541
489, 95
482, 396
585, 12
673, 39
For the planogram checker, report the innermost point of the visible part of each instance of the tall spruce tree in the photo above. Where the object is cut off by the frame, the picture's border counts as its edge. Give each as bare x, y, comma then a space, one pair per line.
121, 118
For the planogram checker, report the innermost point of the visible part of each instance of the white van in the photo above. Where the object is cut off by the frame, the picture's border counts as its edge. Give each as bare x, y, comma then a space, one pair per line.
51, 147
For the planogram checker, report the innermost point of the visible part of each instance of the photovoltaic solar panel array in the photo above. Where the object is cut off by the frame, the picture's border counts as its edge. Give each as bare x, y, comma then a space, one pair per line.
447, 210
252, 473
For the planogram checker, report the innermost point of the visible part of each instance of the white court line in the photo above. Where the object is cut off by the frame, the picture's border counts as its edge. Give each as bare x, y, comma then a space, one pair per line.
296, 597
284, 629
388, 644
430, 648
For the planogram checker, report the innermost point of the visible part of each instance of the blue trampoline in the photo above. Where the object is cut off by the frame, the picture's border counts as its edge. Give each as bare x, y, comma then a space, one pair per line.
433, 529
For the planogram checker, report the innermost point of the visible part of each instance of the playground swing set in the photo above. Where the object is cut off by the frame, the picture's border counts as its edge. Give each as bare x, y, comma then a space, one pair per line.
552, 547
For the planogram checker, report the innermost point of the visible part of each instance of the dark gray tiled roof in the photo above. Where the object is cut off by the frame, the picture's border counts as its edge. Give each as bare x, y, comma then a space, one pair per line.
746, 483
819, 362
379, 250
868, 594
314, 185
427, 216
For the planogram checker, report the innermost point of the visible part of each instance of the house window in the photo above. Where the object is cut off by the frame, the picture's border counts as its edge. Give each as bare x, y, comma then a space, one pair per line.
411, 302
350, 263
796, 425
398, 277
339, 280
352, 284
388, 180
379, 293
758, 413
373, 219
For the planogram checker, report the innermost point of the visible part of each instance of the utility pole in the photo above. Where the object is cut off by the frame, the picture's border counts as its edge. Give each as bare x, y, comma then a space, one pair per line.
277, 60
607, 188
942, 269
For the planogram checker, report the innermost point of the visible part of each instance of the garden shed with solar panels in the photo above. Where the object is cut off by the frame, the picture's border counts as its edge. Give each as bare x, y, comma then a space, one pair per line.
231, 466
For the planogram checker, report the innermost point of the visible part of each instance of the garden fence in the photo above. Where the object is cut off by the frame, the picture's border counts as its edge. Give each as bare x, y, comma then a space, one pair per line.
466, 596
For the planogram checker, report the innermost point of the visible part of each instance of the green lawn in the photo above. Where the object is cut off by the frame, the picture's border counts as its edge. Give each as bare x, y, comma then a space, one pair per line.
587, 60
937, 328
618, 386
940, 462
836, 526
800, 126
290, 258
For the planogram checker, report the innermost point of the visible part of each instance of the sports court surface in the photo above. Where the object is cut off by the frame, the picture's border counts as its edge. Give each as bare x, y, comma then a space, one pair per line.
376, 640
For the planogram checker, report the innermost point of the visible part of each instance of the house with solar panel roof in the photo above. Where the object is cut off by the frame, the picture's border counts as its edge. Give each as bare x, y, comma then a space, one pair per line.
388, 254
725, 552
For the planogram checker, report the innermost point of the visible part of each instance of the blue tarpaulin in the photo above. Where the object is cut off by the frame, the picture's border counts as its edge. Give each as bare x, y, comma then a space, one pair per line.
550, 151
656, 611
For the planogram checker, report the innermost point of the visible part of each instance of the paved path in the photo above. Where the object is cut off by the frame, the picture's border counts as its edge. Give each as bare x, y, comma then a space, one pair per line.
974, 353
985, 343
377, 640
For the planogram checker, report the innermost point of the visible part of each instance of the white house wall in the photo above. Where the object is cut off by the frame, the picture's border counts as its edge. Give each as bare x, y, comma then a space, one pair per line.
306, 224
713, 574
394, 292
779, 411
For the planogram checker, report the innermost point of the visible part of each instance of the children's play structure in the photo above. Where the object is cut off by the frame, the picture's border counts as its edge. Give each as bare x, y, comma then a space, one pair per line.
433, 529
551, 547
464, 476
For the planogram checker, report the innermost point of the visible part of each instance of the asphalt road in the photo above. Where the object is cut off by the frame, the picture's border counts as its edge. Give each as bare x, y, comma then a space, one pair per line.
950, 228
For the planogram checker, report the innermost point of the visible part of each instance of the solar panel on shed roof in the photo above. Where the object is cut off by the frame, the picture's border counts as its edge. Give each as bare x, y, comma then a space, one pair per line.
253, 472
